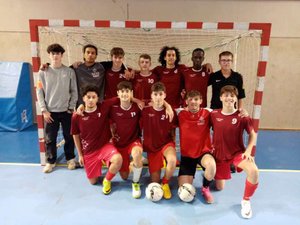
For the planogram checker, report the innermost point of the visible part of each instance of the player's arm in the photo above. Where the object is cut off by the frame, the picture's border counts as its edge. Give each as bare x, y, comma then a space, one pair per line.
77, 142
208, 68
73, 92
251, 142
139, 102
169, 111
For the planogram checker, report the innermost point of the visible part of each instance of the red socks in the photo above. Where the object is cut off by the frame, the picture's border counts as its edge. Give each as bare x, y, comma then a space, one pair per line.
109, 176
164, 180
249, 190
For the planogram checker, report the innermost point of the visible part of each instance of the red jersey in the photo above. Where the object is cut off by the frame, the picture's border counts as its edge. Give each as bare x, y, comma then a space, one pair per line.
93, 127
196, 80
142, 86
194, 133
112, 79
157, 130
126, 124
174, 82
228, 134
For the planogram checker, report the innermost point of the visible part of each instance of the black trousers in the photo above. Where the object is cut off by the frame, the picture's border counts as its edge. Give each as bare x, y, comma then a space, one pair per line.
51, 131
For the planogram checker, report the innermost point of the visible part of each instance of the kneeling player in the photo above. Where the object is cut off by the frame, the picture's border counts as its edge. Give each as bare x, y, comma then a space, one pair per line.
126, 134
195, 144
159, 138
229, 146
91, 135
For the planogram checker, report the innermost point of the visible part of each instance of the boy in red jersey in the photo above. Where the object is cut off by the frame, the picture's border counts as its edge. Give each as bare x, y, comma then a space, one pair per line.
116, 74
158, 133
229, 146
91, 135
196, 77
144, 79
170, 74
126, 134
195, 144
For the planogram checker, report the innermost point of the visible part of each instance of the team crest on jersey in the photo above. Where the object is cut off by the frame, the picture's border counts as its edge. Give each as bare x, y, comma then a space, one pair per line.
110, 74
203, 74
85, 118
193, 75
151, 114
119, 114
95, 73
219, 119
176, 71
166, 72
234, 120
201, 121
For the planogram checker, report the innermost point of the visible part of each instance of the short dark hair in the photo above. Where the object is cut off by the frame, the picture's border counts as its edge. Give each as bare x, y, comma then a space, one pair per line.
192, 94
57, 48
198, 50
163, 53
145, 56
124, 85
229, 88
117, 51
89, 88
90, 46
158, 86
225, 53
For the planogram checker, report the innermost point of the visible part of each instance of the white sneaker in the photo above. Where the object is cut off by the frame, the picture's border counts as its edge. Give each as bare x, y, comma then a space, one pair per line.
136, 190
246, 210
71, 164
49, 167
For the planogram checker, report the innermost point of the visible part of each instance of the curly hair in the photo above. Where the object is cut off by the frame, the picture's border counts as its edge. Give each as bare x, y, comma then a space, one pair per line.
163, 53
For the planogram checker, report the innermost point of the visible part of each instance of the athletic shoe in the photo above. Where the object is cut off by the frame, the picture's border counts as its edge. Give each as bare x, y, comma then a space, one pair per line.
49, 167
246, 210
167, 191
207, 195
71, 164
136, 191
106, 186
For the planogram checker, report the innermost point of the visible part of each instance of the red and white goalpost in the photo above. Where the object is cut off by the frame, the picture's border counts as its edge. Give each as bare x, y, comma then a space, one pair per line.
249, 43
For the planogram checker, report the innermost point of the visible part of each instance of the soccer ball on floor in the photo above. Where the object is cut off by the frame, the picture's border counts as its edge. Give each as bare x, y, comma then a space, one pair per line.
154, 192
187, 192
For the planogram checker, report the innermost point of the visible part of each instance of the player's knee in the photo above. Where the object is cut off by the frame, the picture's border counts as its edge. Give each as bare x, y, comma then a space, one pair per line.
253, 172
171, 162
124, 175
93, 181
220, 186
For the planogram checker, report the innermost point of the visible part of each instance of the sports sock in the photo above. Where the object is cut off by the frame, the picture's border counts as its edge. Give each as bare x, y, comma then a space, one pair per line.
206, 182
109, 176
164, 180
249, 190
136, 173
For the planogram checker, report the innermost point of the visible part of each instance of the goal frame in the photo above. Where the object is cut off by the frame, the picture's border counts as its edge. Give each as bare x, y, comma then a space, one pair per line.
264, 28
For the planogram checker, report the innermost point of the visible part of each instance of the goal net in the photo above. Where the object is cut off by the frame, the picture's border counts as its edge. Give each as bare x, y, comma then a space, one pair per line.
244, 44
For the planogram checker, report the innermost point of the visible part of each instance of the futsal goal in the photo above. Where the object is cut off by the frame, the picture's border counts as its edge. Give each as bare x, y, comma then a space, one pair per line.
249, 42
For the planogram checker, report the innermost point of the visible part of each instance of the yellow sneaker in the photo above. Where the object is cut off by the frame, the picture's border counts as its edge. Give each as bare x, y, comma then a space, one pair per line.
136, 190
106, 186
71, 164
49, 167
167, 191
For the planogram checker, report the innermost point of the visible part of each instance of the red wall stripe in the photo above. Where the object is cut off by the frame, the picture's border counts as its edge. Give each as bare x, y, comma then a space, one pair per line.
132, 24
161, 24
71, 23
102, 23
225, 25
194, 25
258, 97
33, 28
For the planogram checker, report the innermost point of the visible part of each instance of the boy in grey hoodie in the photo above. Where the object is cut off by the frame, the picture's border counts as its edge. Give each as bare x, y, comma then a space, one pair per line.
57, 96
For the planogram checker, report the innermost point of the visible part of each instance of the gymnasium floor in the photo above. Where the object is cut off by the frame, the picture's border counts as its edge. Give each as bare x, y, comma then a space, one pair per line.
29, 197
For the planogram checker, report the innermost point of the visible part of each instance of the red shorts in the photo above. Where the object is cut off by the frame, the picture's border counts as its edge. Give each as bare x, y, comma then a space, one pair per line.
93, 161
126, 152
223, 168
156, 159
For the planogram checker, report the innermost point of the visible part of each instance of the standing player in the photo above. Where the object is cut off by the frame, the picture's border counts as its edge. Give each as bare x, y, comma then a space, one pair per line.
158, 134
57, 97
225, 76
144, 79
126, 134
91, 135
195, 144
115, 74
170, 74
196, 77
229, 146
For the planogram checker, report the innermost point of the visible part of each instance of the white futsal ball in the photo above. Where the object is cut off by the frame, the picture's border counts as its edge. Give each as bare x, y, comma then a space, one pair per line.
186, 192
154, 192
